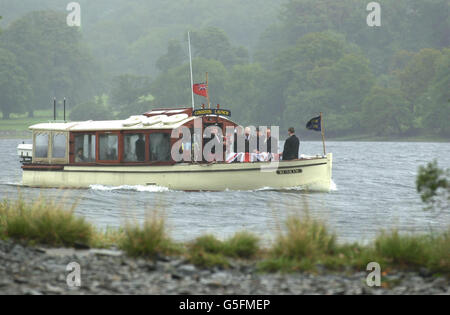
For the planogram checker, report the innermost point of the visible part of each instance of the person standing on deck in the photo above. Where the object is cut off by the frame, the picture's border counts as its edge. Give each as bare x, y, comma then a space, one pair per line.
291, 146
269, 140
239, 137
140, 148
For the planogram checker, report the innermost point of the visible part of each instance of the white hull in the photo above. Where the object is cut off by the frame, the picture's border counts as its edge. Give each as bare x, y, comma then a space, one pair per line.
313, 174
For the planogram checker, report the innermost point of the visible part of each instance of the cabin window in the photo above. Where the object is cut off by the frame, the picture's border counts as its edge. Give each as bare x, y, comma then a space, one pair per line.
134, 147
160, 147
108, 147
84, 148
41, 145
59, 142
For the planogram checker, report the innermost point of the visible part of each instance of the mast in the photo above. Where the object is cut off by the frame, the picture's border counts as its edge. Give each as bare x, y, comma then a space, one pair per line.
207, 91
323, 133
190, 64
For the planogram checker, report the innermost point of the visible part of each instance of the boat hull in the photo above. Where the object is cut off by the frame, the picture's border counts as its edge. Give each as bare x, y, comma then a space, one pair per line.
313, 174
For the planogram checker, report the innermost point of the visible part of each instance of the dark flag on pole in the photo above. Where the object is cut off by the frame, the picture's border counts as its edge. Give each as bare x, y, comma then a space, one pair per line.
315, 124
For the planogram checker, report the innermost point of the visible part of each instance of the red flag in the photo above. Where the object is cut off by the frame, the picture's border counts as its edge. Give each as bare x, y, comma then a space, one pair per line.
201, 89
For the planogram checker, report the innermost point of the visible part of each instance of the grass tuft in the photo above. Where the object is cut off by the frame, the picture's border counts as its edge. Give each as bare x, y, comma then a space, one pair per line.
43, 221
401, 250
413, 251
111, 237
208, 251
149, 240
303, 244
242, 245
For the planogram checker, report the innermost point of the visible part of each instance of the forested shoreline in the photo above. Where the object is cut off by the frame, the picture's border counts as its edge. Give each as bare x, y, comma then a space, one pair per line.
271, 62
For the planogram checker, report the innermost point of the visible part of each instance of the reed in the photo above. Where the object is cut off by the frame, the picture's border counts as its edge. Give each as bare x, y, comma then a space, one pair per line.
406, 251
148, 240
208, 251
107, 238
43, 221
303, 244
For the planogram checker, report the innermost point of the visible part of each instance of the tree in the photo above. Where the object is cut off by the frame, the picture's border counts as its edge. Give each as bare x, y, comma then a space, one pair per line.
173, 58
385, 112
174, 88
95, 109
433, 185
436, 101
417, 75
322, 72
213, 43
424, 81
127, 89
54, 57
14, 88
244, 92
141, 105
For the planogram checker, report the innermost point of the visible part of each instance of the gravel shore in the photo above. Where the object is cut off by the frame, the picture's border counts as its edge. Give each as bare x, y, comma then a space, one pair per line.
36, 270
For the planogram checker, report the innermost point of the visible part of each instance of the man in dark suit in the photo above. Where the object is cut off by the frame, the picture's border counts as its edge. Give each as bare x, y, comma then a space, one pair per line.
269, 140
140, 148
247, 136
291, 146
238, 137
260, 140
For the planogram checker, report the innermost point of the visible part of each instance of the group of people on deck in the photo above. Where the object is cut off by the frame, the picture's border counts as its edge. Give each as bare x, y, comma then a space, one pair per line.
251, 147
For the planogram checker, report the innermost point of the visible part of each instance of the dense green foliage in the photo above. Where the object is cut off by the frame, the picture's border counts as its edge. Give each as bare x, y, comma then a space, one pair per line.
92, 110
433, 184
14, 88
54, 58
270, 62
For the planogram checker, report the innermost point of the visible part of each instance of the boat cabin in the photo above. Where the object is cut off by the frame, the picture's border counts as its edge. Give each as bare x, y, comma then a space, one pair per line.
138, 140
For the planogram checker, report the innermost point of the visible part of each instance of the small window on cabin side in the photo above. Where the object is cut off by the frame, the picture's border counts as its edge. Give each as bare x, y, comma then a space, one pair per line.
41, 145
84, 148
108, 147
134, 147
59, 145
160, 147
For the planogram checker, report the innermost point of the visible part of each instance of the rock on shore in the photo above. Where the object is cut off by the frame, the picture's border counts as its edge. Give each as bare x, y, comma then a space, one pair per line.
34, 270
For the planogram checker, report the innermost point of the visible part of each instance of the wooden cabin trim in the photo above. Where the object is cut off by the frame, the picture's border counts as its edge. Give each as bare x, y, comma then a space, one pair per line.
42, 167
146, 134
72, 152
50, 159
71, 135
97, 144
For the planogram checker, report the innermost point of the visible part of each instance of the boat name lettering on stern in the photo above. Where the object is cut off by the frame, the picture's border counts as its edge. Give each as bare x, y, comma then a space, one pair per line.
288, 172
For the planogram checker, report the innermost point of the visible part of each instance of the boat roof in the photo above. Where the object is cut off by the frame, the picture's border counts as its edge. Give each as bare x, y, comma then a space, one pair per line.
106, 125
165, 118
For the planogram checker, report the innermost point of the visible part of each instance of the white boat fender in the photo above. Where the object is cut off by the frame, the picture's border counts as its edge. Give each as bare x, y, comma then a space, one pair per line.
132, 121
149, 121
175, 118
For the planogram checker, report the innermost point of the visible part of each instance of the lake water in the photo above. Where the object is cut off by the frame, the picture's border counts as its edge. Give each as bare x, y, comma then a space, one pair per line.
374, 190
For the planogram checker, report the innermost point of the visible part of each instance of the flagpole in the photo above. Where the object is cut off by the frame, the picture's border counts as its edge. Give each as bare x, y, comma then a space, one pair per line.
323, 133
192, 77
207, 91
